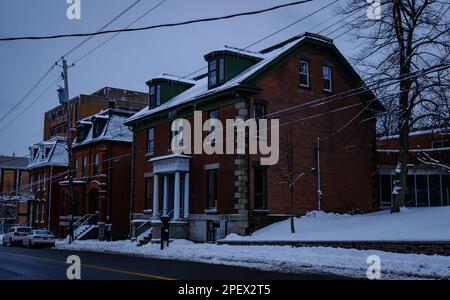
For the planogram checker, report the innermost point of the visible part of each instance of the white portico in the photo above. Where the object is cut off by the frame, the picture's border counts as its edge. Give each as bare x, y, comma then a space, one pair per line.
174, 171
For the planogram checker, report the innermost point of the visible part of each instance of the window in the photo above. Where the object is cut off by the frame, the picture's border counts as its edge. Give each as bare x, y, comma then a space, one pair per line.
83, 166
99, 125
441, 144
260, 113
213, 117
39, 182
260, 188
155, 95
422, 190
212, 189
304, 73
327, 78
75, 202
148, 193
44, 183
216, 72
42, 211
150, 141
179, 132
221, 70
212, 73
75, 168
96, 163
385, 190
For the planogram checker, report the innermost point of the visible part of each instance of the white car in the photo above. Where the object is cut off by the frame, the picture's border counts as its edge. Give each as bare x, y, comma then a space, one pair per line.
39, 237
15, 235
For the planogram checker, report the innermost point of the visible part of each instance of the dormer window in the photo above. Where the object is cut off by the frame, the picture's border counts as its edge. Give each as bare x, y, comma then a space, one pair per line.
80, 134
47, 151
216, 72
99, 125
155, 95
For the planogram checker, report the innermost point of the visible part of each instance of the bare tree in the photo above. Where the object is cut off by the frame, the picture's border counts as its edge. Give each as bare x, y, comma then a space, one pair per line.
288, 170
407, 44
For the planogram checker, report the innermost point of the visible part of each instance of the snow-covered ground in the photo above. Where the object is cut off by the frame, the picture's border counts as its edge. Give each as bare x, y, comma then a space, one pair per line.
411, 224
347, 262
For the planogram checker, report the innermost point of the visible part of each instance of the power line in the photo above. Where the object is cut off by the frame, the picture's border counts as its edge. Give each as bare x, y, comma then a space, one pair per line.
31, 104
249, 13
27, 94
271, 34
291, 24
103, 27
128, 26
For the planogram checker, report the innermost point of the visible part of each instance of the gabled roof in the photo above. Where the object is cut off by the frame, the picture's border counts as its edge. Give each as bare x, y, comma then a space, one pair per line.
48, 153
267, 57
114, 129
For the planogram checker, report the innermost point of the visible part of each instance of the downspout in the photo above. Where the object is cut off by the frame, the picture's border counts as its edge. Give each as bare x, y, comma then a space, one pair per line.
108, 202
133, 155
50, 198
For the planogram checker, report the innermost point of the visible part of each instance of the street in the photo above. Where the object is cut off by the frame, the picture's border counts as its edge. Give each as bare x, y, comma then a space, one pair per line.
17, 263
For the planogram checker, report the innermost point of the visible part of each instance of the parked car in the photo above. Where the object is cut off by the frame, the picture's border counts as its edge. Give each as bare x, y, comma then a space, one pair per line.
39, 237
15, 235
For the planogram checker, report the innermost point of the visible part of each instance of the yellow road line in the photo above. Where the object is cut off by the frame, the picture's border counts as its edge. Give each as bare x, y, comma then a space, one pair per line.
91, 266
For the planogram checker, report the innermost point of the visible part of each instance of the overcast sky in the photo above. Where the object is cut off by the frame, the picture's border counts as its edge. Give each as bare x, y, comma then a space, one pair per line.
130, 59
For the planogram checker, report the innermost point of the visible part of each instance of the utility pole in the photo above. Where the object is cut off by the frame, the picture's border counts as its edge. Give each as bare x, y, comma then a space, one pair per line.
319, 191
64, 99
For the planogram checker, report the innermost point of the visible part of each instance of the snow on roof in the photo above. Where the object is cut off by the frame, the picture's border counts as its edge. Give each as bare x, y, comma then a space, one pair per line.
174, 78
48, 153
415, 133
200, 89
114, 129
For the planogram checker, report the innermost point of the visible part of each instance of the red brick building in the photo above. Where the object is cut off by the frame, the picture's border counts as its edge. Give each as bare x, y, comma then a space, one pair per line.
102, 174
47, 166
49, 202
428, 174
208, 196
84, 106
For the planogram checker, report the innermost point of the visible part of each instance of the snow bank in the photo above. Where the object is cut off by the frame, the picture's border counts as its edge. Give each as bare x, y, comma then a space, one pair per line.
1, 239
412, 224
346, 262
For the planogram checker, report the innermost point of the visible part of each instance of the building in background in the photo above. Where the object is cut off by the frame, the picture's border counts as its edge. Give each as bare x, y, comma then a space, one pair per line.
428, 173
84, 106
102, 176
208, 196
13, 189
47, 166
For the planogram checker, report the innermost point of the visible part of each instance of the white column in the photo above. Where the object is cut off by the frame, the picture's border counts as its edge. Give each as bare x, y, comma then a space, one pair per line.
166, 195
186, 195
155, 195
176, 197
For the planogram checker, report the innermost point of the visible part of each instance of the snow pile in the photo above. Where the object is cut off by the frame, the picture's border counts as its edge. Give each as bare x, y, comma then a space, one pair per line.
1, 239
345, 262
412, 224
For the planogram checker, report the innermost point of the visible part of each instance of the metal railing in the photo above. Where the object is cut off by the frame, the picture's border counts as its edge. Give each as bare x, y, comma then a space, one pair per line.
84, 220
143, 227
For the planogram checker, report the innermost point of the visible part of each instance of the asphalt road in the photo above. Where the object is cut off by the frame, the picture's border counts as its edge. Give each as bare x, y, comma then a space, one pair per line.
17, 263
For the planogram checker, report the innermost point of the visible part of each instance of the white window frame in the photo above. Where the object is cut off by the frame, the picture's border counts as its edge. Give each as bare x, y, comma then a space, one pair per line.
325, 67
305, 74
